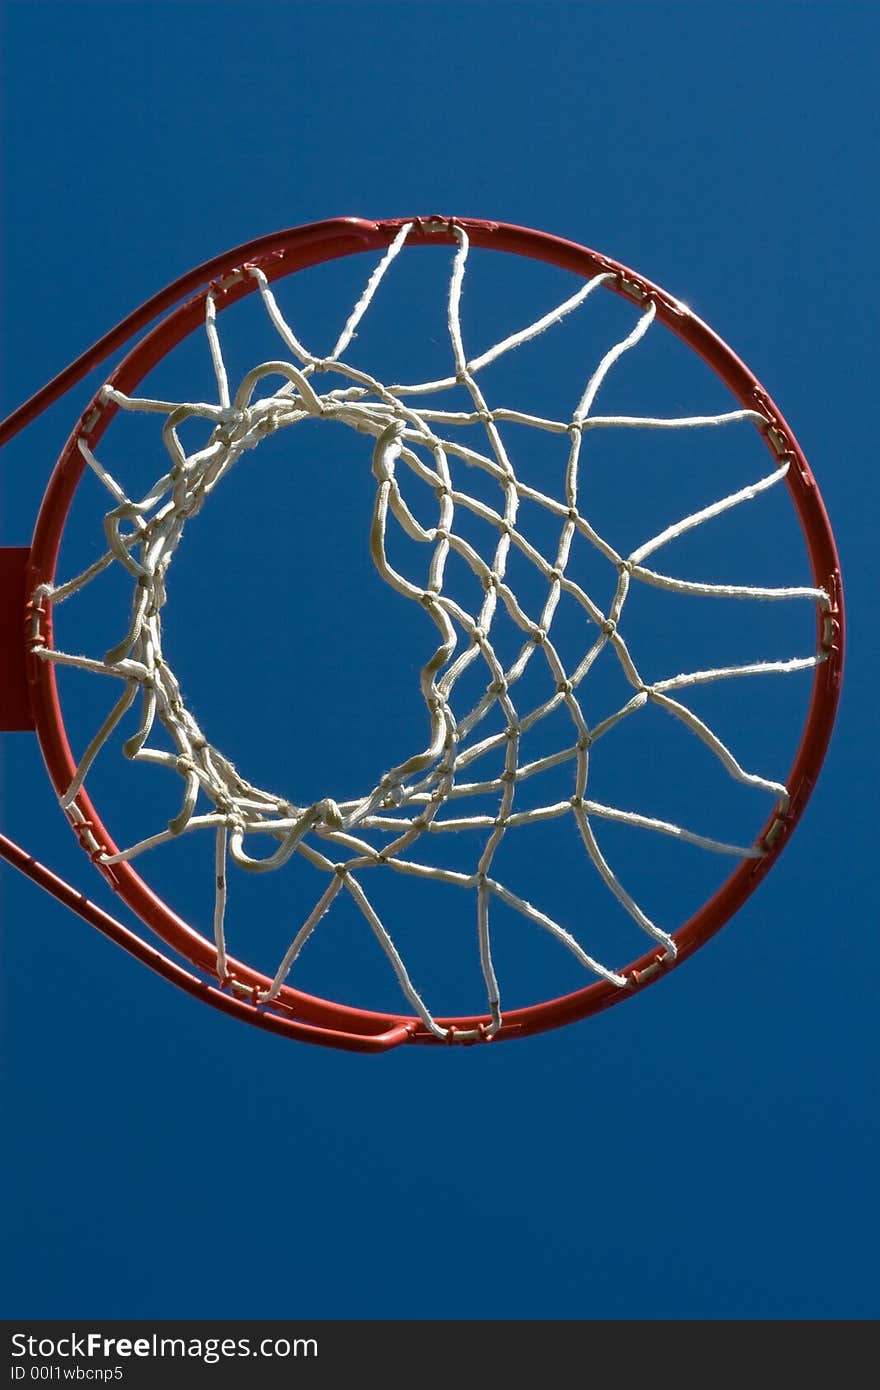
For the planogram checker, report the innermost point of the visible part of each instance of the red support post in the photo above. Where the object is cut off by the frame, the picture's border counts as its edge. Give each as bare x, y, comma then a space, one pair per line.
15, 704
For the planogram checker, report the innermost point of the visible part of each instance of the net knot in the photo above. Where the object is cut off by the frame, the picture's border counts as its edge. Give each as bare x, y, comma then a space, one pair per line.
609, 627
386, 451
230, 430
392, 792
268, 423
327, 813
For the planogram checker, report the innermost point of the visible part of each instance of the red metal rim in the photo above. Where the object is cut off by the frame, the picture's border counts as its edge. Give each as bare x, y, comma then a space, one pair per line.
294, 1012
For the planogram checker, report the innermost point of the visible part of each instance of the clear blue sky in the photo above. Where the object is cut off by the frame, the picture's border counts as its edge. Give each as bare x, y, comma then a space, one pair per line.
707, 1151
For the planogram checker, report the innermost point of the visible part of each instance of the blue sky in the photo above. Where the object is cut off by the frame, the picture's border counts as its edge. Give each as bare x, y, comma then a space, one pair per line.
703, 1152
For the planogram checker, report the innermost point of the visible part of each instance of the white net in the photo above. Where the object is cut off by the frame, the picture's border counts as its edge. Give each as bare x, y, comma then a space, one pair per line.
434, 792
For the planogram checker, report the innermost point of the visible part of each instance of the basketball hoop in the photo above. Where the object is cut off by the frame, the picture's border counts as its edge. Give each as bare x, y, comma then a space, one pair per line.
441, 787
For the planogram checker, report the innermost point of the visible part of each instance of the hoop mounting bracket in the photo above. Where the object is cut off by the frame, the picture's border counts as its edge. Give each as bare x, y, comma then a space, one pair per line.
15, 703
